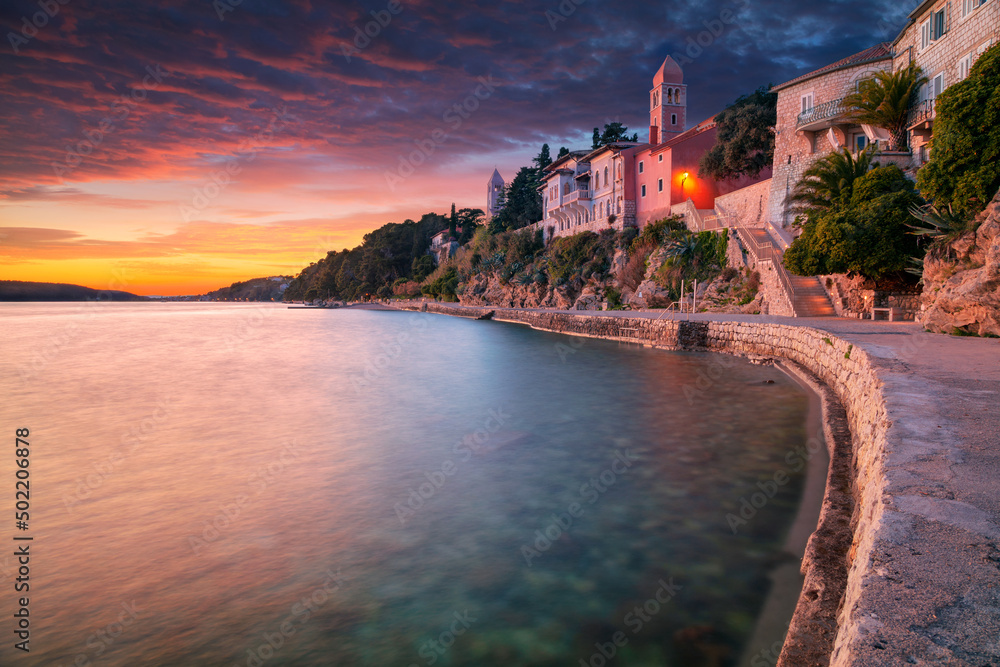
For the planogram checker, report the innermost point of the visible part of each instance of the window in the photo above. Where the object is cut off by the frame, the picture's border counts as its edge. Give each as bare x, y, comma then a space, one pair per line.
644, 191
642, 166
807, 103
565, 188
936, 86
925, 34
670, 96
597, 180
673, 119
860, 141
659, 185
659, 158
969, 6
964, 65
656, 99
938, 24
605, 176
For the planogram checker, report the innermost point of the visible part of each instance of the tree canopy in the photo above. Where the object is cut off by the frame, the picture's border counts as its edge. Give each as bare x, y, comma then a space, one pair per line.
520, 202
885, 101
830, 180
385, 255
613, 133
744, 137
864, 232
964, 169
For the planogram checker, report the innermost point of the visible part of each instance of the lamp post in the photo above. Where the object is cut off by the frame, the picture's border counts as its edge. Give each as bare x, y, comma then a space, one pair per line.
684, 177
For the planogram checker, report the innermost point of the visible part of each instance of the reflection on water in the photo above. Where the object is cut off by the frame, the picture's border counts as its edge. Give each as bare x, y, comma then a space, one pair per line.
222, 485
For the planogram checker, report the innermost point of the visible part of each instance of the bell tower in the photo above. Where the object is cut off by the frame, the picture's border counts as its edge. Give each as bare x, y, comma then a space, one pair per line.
667, 103
494, 188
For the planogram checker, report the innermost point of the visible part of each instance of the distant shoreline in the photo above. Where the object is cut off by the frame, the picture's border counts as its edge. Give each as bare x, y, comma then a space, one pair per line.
21, 291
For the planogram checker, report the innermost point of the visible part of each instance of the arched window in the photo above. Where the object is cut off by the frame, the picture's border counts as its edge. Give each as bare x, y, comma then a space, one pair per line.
605, 176
619, 205
677, 96
670, 96
619, 171
565, 188
597, 180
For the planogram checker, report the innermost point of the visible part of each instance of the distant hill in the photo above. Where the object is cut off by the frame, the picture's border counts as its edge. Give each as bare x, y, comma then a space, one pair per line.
256, 289
16, 290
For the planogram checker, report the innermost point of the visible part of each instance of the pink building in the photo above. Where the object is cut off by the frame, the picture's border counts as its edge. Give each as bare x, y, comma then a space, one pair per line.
629, 184
666, 169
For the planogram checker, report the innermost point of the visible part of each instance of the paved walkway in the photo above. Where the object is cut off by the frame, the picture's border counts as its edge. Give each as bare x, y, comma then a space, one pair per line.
933, 597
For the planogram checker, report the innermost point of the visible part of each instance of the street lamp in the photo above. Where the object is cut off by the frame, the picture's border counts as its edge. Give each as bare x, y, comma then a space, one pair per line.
684, 177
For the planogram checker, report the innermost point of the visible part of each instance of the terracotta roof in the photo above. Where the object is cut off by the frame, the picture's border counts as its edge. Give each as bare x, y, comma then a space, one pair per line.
669, 72
882, 51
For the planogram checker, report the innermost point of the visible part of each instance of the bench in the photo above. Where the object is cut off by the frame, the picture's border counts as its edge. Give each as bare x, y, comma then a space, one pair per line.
891, 314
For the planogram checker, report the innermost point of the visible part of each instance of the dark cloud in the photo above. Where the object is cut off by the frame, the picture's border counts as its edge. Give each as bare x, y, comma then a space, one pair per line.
225, 74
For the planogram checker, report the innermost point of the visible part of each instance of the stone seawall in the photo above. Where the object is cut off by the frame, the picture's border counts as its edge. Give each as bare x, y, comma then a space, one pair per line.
838, 558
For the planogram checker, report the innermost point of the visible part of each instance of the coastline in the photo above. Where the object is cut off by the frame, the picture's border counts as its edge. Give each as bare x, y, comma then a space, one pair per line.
882, 581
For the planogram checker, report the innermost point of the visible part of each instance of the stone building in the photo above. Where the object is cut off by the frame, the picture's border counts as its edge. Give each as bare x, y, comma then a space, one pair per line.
944, 38
812, 122
632, 184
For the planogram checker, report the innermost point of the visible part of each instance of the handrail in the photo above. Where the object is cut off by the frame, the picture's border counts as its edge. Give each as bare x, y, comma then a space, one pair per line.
766, 252
821, 112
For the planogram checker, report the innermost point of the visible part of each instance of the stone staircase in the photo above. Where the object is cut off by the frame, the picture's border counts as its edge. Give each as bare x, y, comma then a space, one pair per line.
806, 294
809, 299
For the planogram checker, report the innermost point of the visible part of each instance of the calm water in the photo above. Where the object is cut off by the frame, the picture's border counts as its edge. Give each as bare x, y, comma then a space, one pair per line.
244, 485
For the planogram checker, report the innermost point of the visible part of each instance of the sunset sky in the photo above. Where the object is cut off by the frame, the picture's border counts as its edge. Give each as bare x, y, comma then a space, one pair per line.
175, 150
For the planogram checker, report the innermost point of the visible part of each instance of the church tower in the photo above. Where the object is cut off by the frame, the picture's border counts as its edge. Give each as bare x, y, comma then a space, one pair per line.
667, 103
493, 189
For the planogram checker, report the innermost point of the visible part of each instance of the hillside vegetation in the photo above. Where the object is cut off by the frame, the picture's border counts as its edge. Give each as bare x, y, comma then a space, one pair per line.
16, 290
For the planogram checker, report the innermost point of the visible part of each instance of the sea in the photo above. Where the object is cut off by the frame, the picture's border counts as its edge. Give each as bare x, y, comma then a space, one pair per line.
248, 484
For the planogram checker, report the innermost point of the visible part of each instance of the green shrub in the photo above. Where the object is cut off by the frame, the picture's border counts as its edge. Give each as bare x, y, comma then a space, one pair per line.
964, 169
867, 234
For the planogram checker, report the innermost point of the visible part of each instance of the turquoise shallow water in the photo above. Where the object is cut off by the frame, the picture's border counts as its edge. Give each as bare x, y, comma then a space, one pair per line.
220, 484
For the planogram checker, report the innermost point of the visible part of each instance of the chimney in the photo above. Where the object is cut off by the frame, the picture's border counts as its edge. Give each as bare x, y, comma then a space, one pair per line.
654, 134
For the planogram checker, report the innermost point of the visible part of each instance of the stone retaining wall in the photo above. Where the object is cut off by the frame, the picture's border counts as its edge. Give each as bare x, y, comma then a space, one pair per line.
838, 558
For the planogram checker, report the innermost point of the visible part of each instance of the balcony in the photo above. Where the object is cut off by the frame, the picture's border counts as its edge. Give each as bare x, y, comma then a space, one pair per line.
821, 115
922, 113
576, 195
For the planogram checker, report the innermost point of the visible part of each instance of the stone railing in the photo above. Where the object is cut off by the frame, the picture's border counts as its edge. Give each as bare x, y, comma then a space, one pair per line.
821, 112
921, 112
576, 195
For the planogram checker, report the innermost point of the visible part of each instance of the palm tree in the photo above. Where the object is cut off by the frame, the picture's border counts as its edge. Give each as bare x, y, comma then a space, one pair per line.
885, 101
830, 180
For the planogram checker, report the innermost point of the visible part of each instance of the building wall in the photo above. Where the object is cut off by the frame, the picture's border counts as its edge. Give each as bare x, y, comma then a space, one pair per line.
655, 205
680, 158
966, 36
794, 151
748, 205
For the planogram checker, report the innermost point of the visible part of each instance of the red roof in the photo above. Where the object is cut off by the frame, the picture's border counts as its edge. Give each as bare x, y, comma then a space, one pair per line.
880, 51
